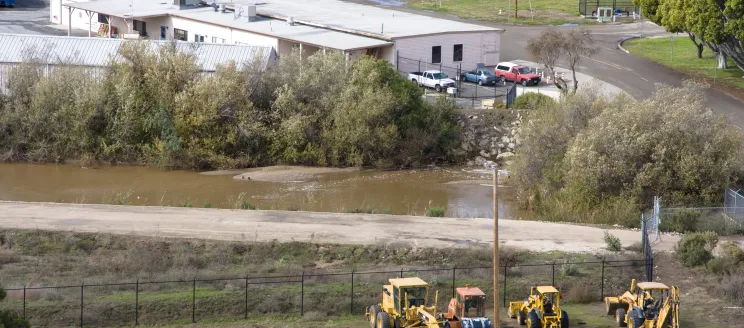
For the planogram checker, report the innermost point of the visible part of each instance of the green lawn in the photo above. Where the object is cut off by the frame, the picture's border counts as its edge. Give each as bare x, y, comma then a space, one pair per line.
684, 59
545, 11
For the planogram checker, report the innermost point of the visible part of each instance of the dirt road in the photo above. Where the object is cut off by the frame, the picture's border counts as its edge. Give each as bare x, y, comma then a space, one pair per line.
307, 226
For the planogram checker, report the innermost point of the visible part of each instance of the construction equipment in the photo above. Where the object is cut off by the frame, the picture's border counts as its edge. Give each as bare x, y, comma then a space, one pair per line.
467, 309
541, 309
404, 306
646, 305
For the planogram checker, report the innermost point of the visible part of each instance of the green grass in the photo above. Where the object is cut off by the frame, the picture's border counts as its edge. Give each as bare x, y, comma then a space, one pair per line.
545, 11
684, 59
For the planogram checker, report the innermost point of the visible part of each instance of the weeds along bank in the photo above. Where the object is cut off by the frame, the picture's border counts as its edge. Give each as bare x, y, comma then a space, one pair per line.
591, 159
154, 107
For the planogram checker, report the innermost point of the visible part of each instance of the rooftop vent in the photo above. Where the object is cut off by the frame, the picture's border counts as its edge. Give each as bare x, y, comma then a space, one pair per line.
250, 12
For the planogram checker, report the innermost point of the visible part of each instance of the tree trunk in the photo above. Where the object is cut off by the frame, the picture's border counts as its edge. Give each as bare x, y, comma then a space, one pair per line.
575, 81
722, 59
700, 48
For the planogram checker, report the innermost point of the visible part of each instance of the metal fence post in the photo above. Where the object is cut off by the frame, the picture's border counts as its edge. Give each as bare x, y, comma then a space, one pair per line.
553, 272
401, 273
504, 288
82, 293
136, 303
245, 313
601, 296
193, 302
302, 296
351, 307
454, 273
24, 302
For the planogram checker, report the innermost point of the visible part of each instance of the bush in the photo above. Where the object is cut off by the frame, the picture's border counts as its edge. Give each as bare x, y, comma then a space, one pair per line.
580, 293
613, 243
154, 107
569, 269
533, 100
732, 287
682, 222
695, 249
10, 319
435, 211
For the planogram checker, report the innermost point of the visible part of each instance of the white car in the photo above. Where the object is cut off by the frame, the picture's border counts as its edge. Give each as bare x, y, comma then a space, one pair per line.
432, 79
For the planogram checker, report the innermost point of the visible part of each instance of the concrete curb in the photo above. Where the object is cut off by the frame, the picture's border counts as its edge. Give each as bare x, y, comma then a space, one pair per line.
620, 44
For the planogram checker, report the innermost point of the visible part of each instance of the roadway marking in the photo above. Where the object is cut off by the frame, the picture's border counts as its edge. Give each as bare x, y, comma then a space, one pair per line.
603, 62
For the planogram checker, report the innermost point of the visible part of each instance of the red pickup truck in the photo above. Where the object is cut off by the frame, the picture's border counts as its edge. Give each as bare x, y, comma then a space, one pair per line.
517, 73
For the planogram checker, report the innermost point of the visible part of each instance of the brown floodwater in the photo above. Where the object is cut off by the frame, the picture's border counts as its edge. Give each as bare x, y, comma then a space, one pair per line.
462, 191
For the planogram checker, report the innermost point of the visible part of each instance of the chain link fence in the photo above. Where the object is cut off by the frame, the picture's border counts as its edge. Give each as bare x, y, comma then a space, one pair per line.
303, 294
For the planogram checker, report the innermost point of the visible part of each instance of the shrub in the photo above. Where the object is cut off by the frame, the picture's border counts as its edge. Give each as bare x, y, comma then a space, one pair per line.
635, 247
245, 205
695, 249
435, 211
732, 287
733, 251
207, 205
533, 100
569, 269
681, 222
613, 243
580, 293
10, 319
186, 203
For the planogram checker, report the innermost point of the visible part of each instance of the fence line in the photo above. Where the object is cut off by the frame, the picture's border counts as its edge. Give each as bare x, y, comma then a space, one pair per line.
305, 280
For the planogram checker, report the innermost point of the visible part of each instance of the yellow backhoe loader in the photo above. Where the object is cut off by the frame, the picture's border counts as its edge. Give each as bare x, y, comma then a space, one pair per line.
646, 305
404, 306
542, 309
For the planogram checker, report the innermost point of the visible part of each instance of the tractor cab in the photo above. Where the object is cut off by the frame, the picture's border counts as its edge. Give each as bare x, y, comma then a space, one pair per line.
649, 297
404, 304
468, 309
546, 299
404, 293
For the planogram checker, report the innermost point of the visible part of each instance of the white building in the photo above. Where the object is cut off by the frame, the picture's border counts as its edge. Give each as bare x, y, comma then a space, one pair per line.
309, 25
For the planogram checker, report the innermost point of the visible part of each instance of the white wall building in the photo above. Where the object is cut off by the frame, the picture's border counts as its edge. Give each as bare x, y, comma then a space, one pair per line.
309, 25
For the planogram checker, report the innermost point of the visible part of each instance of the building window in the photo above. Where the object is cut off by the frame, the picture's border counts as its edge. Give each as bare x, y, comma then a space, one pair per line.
102, 19
457, 53
436, 54
140, 27
217, 40
198, 38
180, 34
163, 32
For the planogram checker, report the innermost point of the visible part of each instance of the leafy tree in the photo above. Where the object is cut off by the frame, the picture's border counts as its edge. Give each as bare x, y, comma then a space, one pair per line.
551, 45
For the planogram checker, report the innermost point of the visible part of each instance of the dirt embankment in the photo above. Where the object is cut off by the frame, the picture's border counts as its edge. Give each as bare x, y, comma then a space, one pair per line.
336, 228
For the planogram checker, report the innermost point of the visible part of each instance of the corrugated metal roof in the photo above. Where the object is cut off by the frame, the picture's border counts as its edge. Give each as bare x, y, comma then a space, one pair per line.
99, 51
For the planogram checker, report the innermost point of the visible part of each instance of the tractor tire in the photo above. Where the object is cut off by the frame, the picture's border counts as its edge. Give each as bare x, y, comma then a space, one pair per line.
397, 323
533, 320
383, 320
620, 318
564, 320
637, 322
373, 311
521, 318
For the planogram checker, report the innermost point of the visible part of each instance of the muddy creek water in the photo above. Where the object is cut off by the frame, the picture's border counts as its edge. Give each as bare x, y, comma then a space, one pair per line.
462, 191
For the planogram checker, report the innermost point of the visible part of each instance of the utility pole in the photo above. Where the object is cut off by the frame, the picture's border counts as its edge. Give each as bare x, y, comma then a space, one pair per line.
496, 247
516, 9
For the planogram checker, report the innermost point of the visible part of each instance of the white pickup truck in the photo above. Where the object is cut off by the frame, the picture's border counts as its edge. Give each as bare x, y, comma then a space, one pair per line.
432, 79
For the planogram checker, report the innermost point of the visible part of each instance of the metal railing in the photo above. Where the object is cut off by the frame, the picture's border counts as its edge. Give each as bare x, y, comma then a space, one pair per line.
589, 7
138, 302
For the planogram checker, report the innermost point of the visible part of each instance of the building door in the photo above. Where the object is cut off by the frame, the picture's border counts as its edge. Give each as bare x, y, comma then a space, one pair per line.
163, 32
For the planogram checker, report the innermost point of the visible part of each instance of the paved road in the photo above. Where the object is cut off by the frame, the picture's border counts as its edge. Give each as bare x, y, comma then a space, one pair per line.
342, 228
635, 75
31, 17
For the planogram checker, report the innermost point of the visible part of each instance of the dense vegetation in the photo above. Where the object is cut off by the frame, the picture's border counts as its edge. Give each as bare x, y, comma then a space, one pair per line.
595, 160
155, 107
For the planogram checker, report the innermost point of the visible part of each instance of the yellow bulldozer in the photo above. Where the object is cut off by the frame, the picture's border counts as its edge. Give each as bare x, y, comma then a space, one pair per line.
645, 305
404, 306
542, 309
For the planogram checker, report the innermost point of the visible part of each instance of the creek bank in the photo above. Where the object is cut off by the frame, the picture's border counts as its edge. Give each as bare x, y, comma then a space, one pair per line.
490, 136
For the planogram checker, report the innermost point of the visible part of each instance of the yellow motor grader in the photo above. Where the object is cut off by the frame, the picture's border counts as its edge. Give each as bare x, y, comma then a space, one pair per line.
542, 309
645, 305
404, 306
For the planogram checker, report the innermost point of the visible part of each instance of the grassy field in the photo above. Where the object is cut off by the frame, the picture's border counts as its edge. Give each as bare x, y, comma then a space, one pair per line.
40, 258
545, 11
684, 59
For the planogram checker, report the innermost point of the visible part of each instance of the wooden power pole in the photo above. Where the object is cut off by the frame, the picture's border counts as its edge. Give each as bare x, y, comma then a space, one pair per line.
516, 9
496, 322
